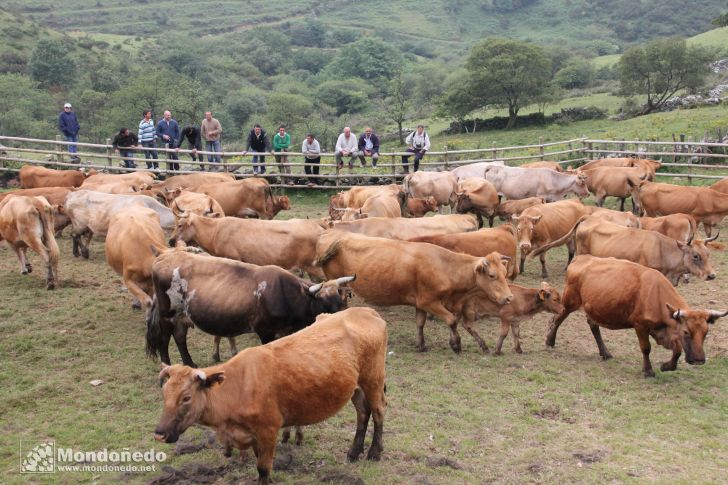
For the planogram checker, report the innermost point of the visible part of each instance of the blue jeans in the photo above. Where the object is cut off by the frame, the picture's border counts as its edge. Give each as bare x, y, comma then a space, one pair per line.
128, 156
258, 163
73, 138
213, 146
150, 154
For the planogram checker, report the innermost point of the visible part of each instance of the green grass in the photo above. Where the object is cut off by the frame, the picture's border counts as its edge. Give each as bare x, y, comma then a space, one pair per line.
557, 415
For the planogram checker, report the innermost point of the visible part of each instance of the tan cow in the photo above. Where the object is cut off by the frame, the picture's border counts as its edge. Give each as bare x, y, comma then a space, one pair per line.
405, 228
477, 195
501, 239
132, 234
33, 177
626, 219
55, 197
620, 182
290, 244
544, 164
703, 203
443, 186
298, 380
27, 222
651, 166
618, 294
251, 197
191, 181
677, 226
418, 207
355, 198
510, 208
430, 278
380, 205
184, 201
721, 186
123, 183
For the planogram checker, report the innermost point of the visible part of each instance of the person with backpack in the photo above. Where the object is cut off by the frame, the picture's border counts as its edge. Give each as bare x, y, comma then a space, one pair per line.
417, 143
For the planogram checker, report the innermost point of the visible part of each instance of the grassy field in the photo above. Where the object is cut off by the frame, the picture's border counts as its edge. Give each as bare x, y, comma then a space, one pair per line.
549, 415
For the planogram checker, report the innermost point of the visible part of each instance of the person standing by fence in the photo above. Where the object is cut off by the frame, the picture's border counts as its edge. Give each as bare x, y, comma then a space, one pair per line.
257, 143
122, 142
312, 154
168, 133
281, 142
68, 124
148, 138
418, 143
211, 131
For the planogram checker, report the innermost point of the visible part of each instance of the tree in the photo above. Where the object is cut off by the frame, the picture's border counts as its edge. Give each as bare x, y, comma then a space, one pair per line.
347, 96
661, 68
288, 109
577, 73
397, 104
721, 20
457, 101
51, 65
507, 73
369, 58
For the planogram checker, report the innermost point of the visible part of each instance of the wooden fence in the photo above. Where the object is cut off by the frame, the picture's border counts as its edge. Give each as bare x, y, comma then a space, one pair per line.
675, 155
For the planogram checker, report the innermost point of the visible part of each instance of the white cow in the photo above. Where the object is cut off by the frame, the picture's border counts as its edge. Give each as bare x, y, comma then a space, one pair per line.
520, 183
474, 169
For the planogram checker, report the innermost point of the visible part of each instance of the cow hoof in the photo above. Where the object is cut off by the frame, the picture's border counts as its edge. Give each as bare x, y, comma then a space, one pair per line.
29, 268
84, 253
51, 286
136, 305
667, 367
545, 276
498, 352
421, 348
456, 348
606, 356
519, 350
649, 373
352, 457
25, 272
216, 358
228, 452
550, 341
374, 455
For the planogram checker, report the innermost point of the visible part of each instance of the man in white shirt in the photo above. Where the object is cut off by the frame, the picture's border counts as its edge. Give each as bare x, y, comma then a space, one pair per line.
346, 146
312, 152
418, 143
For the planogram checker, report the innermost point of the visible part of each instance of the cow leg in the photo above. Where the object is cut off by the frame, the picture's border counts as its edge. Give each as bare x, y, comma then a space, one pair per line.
216, 354
644, 338
594, 327
523, 262
671, 364
621, 203
233, 348
166, 334
363, 412
142, 299
708, 228
37, 245
505, 326
452, 322
179, 332
600, 201
516, 326
421, 317
480, 220
20, 253
76, 243
468, 325
264, 448
571, 248
299, 435
26, 261
490, 221
544, 271
83, 245
555, 324
373, 389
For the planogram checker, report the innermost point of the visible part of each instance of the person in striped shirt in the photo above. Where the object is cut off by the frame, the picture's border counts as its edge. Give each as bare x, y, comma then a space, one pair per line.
148, 138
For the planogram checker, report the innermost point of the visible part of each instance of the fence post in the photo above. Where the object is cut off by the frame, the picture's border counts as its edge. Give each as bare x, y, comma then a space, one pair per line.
682, 141
59, 150
394, 169
337, 172
223, 159
495, 151
444, 158
109, 153
590, 146
690, 160
540, 147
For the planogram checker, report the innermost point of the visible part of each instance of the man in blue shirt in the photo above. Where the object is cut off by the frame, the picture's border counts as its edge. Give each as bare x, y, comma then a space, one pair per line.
68, 124
169, 135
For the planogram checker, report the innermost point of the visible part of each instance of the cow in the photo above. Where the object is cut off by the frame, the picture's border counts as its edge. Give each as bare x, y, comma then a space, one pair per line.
90, 213
544, 164
618, 294
651, 249
540, 224
525, 304
184, 201
405, 228
191, 181
501, 239
510, 208
428, 277
132, 235
721, 186
650, 166
615, 182
474, 169
441, 185
55, 197
290, 244
418, 207
519, 183
626, 219
477, 195
304, 379
355, 198
251, 197
703, 203
380, 205
27, 222
119, 183
677, 226
34, 177
267, 300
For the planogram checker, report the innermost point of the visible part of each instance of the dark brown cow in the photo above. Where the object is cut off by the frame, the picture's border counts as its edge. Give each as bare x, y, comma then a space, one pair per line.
33, 177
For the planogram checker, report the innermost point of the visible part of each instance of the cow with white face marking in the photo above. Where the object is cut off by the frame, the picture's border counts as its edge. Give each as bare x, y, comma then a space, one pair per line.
227, 298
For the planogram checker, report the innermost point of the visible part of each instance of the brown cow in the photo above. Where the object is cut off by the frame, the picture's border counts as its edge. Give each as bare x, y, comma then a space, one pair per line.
33, 177
626, 219
618, 294
251, 197
297, 380
418, 207
721, 186
510, 208
544, 164
191, 181
290, 244
477, 195
480, 243
355, 198
441, 185
380, 205
650, 166
430, 278
677, 226
404, 228
617, 182
28, 222
55, 196
703, 203
132, 234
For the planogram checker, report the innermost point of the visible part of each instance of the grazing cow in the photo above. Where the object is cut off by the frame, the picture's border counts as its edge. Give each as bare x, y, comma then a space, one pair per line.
651, 249
519, 183
186, 202
441, 185
132, 234
33, 177
418, 207
474, 169
404, 228
477, 195
27, 222
615, 182
721, 186
55, 197
510, 208
540, 224
380, 205
301, 379
501, 239
677, 226
430, 278
289, 244
703, 203
544, 164
618, 294
191, 181
650, 166
251, 197
90, 213
267, 300
525, 304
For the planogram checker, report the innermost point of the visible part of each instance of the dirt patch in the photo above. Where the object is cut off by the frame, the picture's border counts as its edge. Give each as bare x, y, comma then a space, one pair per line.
438, 461
341, 478
589, 458
189, 447
190, 474
552, 413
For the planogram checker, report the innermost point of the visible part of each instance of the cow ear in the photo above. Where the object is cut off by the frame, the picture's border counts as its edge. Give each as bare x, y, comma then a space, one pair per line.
535, 219
542, 294
482, 267
215, 215
163, 374
215, 378
683, 246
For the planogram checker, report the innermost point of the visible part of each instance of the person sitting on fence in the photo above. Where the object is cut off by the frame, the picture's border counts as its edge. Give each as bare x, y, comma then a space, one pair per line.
346, 146
121, 142
68, 124
418, 143
257, 143
281, 142
211, 131
194, 142
148, 138
368, 147
312, 153
168, 133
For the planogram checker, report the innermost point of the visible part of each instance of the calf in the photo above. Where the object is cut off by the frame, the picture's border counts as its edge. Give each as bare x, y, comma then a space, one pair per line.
297, 380
477, 195
380, 205
510, 208
418, 207
251, 197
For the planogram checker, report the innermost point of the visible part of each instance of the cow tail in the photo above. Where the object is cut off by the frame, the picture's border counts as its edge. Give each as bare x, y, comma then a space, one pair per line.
45, 214
329, 254
154, 330
402, 199
269, 201
562, 240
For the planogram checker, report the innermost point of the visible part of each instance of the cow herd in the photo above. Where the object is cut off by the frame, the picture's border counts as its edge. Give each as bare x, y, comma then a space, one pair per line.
202, 250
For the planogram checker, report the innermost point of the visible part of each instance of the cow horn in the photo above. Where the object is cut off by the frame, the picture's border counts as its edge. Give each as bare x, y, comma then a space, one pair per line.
345, 279
690, 239
677, 314
315, 288
505, 258
200, 374
163, 374
713, 238
715, 314
339, 209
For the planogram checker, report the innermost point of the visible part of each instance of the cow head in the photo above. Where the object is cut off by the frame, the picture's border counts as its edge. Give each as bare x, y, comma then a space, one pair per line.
490, 277
419, 207
463, 203
348, 215
333, 295
281, 203
580, 187
185, 228
696, 257
550, 298
524, 230
193, 203
634, 190
169, 194
692, 327
336, 201
185, 399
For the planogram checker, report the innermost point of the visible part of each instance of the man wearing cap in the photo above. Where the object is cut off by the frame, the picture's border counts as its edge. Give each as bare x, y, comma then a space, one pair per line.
68, 124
